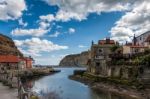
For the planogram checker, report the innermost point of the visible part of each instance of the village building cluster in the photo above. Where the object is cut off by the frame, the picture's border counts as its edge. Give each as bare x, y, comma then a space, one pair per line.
10, 65
108, 58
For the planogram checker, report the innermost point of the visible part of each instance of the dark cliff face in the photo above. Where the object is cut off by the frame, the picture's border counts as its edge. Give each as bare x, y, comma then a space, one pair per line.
8, 47
75, 59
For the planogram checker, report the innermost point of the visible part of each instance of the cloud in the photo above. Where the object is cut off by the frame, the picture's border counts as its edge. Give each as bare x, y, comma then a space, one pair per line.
136, 21
44, 27
24, 24
81, 46
49, 17
33, 32
36, 46
56, 34
80, 9
11, 9
71, 30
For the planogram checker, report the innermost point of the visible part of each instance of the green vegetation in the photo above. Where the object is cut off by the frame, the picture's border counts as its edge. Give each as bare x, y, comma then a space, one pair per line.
114, 48
34, 97
93, 78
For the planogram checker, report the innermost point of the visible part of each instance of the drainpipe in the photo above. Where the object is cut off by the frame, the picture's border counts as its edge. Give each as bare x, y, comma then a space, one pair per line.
18, 79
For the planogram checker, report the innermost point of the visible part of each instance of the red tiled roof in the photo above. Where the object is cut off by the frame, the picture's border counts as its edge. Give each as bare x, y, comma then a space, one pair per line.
104, 42
136, 46
9, 59
26, 59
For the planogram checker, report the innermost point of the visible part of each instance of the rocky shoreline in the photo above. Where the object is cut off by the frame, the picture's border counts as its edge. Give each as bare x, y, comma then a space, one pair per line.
117, 89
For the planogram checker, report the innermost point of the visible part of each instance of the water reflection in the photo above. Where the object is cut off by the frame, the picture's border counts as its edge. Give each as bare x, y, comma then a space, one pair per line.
58, 86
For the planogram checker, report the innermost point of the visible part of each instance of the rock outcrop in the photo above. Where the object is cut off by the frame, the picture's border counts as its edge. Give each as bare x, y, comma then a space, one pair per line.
8, 47
75, 59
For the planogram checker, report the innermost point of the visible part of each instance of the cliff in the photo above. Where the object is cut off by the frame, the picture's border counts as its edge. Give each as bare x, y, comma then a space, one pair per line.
75, 59
8, 47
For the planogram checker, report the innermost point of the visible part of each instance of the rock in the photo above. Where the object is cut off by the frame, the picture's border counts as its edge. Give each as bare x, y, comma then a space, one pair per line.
8, 47
75, 59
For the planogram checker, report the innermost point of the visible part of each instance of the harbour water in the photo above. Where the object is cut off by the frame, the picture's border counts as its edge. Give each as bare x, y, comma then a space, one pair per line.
59, 86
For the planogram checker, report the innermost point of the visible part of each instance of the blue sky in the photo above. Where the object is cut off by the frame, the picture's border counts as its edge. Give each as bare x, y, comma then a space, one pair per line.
50, 29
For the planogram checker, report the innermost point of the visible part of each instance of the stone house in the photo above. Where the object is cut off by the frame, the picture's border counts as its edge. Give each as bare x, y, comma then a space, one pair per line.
139, 44
133, 49
8, 62
141, 39
99, 55
147, 41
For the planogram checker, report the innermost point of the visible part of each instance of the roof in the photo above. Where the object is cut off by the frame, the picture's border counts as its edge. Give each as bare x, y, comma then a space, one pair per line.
143, 34
136, 46
102, 42
26, 59
129, 44
9, 59
148, 39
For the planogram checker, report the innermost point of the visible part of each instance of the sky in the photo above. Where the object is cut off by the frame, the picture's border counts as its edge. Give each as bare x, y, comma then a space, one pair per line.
48, 30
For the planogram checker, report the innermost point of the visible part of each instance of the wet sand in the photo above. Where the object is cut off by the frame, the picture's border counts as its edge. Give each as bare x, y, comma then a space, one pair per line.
7, 93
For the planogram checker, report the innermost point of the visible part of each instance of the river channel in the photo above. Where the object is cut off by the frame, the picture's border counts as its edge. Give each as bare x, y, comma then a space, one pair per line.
59, 86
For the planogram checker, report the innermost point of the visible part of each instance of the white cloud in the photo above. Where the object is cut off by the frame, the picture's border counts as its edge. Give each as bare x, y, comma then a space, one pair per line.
81, 46
36, 46
49, 17
56, 34
24, 24
11, 9
80, 9
71, 30
34, 32
44, 27
136, 21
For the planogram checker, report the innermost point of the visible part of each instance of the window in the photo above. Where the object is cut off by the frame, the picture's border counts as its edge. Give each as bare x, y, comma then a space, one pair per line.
100, 50
97, 64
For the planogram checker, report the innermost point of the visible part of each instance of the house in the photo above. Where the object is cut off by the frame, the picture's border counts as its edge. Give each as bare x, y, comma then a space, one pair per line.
26, 62
138, 45
147, 41
9, 62
99, 55
142, 39
133, 49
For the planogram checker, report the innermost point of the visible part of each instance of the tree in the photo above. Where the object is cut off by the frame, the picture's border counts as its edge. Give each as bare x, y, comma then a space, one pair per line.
114, 48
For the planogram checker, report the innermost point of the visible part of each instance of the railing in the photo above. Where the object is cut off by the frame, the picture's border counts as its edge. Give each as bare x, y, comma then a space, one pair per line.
22, 94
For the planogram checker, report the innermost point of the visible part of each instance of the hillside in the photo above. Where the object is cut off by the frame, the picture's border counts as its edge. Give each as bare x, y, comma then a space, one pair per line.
8, 47
75, 59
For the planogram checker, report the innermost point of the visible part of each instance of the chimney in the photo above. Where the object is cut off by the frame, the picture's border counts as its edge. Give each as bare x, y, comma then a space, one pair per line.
92, 42
107, 40
134, 40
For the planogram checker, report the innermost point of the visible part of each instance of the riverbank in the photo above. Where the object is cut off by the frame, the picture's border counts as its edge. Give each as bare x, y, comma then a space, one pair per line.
118, 89
11, 78
7, 93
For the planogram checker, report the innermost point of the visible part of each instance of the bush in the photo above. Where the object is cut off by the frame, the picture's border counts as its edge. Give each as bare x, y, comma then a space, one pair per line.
79, 72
